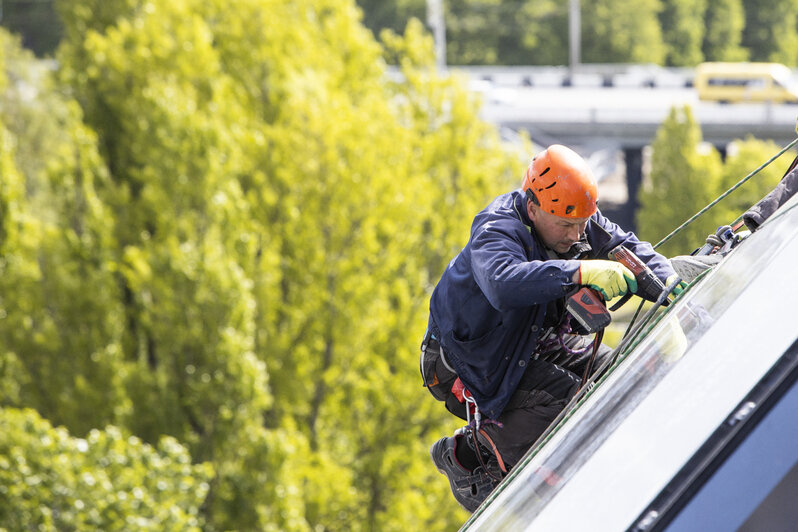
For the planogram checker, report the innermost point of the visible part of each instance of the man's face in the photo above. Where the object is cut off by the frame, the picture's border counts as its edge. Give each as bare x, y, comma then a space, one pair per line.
557, 233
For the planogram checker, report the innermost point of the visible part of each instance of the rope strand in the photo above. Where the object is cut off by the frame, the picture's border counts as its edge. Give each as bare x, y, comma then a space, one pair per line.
719, 198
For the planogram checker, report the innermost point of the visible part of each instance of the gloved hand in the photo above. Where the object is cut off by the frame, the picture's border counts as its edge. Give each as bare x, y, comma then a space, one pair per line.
679, 287
607, 276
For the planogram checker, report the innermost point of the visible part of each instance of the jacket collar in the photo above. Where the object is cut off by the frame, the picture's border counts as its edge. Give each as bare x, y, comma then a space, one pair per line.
582, 246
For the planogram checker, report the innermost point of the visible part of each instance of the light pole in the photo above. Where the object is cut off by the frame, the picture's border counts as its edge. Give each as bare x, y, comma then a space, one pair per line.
574, 35
436, 21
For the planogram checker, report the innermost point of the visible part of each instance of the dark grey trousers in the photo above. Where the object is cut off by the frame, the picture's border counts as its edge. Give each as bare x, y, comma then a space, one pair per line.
547, 385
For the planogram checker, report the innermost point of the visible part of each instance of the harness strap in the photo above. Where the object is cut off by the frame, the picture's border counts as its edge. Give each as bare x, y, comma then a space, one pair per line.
589, 365
495, 450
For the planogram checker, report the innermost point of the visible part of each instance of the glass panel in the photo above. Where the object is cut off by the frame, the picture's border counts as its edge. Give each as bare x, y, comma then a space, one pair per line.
638, 426
752, 489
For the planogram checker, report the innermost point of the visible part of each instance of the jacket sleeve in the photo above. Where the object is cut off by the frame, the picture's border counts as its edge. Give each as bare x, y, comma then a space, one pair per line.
505, 275
605, 236
787, 187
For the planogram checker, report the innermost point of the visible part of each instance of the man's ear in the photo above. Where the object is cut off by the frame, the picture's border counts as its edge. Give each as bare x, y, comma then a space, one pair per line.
531, 210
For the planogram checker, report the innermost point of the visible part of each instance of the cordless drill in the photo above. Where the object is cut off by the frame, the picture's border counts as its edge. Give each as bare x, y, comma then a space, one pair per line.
587, 306
649, 286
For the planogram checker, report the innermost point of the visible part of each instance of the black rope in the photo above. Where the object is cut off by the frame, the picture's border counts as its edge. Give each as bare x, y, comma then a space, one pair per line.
722, 196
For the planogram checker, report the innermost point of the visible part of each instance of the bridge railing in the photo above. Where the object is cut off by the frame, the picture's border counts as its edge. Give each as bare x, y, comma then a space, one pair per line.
586, 75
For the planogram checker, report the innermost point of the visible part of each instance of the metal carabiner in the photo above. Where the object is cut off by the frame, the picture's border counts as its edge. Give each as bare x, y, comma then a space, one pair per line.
477, 415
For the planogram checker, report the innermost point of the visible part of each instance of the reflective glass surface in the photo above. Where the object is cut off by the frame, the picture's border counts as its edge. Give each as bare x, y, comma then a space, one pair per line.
621, 445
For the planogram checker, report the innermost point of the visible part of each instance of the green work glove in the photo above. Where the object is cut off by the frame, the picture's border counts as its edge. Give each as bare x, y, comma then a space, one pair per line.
679, 287
608, 277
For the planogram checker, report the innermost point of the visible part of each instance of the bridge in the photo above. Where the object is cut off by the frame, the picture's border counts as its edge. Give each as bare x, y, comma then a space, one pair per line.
604, 111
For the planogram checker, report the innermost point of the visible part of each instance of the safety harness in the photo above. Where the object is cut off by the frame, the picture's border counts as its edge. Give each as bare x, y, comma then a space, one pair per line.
474, 427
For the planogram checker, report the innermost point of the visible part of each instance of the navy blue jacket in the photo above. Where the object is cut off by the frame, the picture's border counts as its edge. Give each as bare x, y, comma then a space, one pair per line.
487, 310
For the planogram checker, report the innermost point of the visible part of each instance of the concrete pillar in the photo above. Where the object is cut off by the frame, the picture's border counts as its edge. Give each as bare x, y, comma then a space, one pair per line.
634, 178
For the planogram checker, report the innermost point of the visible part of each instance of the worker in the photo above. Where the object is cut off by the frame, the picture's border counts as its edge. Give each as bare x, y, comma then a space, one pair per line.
500, 350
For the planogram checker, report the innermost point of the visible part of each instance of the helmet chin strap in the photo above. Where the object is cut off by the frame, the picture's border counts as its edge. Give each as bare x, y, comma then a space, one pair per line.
531, 197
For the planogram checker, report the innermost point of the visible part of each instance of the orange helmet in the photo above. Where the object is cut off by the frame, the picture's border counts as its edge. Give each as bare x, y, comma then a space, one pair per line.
560, 181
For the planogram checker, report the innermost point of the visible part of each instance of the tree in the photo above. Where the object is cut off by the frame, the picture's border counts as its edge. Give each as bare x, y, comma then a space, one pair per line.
55, 244
342, 348
724, 21
509, 32
173, 125
621, 31
169, 123
50, 480
684, 178
271, 192
35, 21
771, 30
392, 15
683, 30
745, 156
261, 215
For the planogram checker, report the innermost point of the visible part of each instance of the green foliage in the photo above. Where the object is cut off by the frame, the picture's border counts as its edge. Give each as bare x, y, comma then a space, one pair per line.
668, 32
771, 30
13, 377
173, 126
522, 32
745, 157
220, 227
685, 177
379, 15
507, 32
110, 481
35, 21
443, 116
621, 31
265, 216
725, 21
343, 347
683, 31
55, 244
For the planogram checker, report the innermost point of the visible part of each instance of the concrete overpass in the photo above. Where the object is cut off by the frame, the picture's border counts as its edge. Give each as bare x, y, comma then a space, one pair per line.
604, 110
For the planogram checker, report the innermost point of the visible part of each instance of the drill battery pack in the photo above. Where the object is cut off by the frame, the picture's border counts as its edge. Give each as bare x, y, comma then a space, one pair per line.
587, 307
